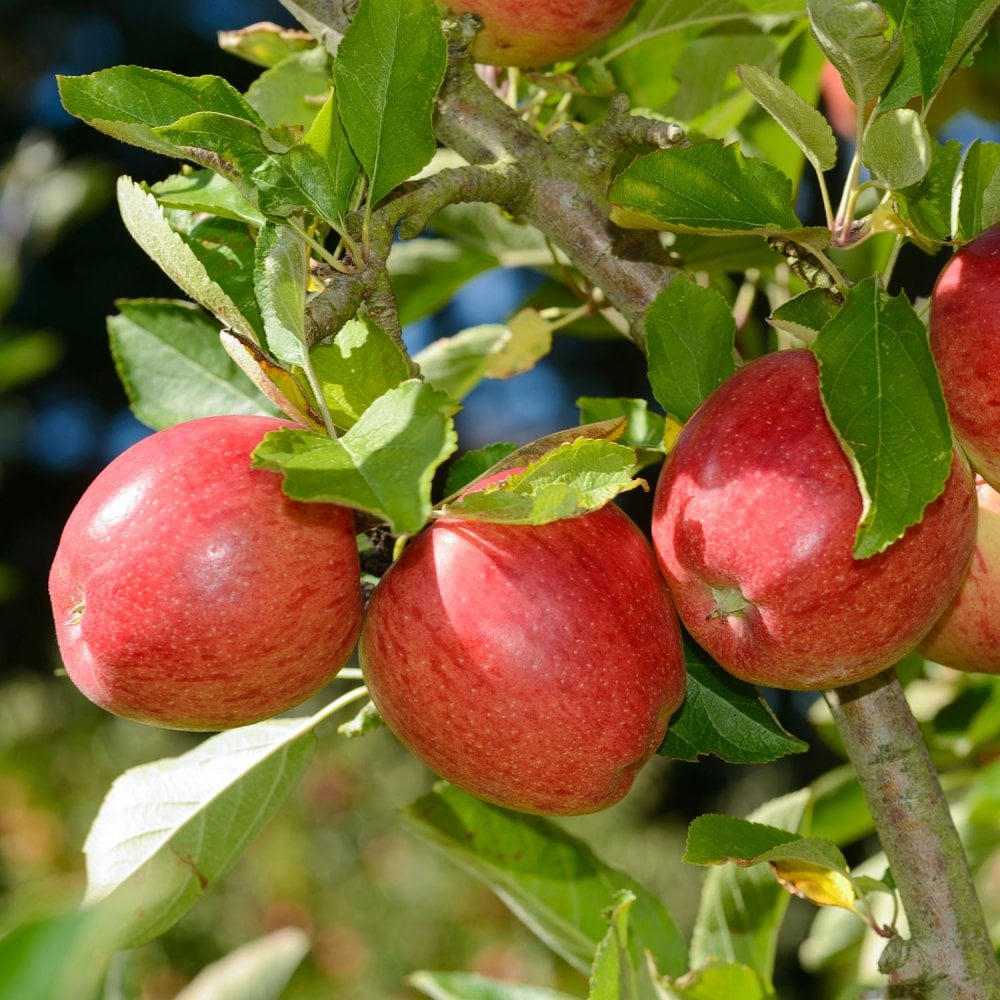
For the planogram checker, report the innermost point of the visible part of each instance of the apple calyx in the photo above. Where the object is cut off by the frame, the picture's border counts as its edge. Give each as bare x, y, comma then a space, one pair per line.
728, 601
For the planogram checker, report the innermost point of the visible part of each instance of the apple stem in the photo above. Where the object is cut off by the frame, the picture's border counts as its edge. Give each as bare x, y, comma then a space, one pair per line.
948, 955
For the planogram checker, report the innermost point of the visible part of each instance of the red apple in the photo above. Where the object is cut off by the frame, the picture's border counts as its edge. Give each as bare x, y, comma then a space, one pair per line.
967, 635
965, 339
535, 666
539, 32
189, 592
754, 521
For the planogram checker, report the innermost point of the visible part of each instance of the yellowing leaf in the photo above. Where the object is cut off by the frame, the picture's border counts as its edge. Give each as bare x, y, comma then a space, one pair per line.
279, 385
819, 885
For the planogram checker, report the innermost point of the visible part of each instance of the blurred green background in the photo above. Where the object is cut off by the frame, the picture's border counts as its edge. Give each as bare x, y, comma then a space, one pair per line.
376, 903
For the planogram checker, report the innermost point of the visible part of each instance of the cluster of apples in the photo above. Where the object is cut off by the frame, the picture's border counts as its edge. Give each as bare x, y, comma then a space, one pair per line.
538, 666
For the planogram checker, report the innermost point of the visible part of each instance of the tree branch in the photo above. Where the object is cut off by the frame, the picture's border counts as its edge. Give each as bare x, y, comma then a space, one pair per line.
563, 192
948, 955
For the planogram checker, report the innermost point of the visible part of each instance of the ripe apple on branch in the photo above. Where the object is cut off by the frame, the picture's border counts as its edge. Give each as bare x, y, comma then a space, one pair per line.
813, 519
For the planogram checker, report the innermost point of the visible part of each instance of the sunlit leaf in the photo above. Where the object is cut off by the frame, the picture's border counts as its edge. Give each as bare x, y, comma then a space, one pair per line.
130, 102
468, 986
803, 122
884, 400
146, 223
360, 364
259, 970
389, 66
383, 465
174, 826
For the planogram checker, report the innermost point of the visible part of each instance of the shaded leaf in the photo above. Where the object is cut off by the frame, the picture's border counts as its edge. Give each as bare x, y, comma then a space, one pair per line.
203, 190
897, 148
292, 91
717, 980
550, 880
172, 365
474, 464
725, 717
856, 38
805, 315
741, 909
689, 343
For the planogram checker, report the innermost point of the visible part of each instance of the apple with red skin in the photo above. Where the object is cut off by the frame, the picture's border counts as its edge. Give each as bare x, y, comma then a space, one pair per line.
535, 666
967, 635
754, 521
189, 592
539, 32
965, 341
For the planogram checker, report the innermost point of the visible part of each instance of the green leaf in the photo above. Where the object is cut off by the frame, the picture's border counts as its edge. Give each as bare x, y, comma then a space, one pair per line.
361, 364
318, 174
936, 38
467, 986
977, 198
148, 226
884, 400
27, 356
717, 980
927, 208
172, 365
426, 273
281, 273
689, 342
644, 428
497, 350
383, 465
233, 147
129, 102
725, 717
858, 40
265, 44
259, 970
741, 909
612, 976
291, 92
168, 829
897, 148
550, 880
227, 250
808, 867
708, 187
59, 956
800, 119
389, 66
473, 464
713, 840
203, 190
805, 315
571, 480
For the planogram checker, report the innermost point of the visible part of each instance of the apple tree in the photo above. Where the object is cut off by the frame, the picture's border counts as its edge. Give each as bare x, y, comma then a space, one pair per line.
666, 170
